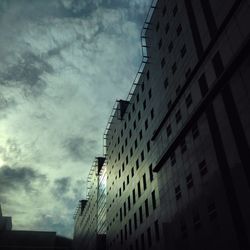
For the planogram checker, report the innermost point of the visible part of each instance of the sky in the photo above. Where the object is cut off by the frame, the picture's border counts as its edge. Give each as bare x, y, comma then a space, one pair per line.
63, 64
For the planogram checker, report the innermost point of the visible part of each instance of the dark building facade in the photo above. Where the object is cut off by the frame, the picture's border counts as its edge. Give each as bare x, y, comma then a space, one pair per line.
177, 149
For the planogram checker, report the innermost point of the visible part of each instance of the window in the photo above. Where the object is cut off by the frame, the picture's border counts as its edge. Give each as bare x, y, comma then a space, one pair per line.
149, 237
126, 160
196, 220
174, 68
134, 199
119, 156
146, 208
126, 142
137, 163
217, 64
135, 221
160, 44
142, 155
123, 185
203, 85
139, 189
130, 226
178, 89
119, 173
148, 76
151, 176
140, 134
133, 107
212, 212
157, 232
140, 214
172, 159
139, 115
127, 179
148, 146
183, 146
144, 104
124, 209
164, 10
163, 62
178, 30
137, 97
189, 181
175, 10
169, 104
195, 131
136, 144
142, 87
123, 166
188, 73
132, 171
183, 51
134, 124
122, 149
144, 182
142, 241
153, 199
125, 232
167, 28
129, 116
152, 114
165, 83
203, 167
125, 125
120, 192
170, 47
178, 192
146, 124
120, 214
189, 100
178, 116
169, 130
157, 26
130, 133
149, 94
131, 152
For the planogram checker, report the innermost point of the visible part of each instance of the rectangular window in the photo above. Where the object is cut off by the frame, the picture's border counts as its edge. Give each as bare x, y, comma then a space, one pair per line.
203, 167
127, 179
134, 198
144, 182
123, 167
142, 156
153, 199
135, 221
142, 87
121, 235
178, 192
146, 208
131, 152
140, 134
189, 100
119, 173
126, 160
178, 90
169, 104
130, 133
137, 163
136, 144
203, 85
172, 159
130, 226
144, 104
189, 181
139, 115
125, 232
169, 130
170, 46
163, 62
175, 10
129, 116
140, 214
151, 176
152, 114
195, 131
217, 64
160, 44
120, 214
148, 76
157, 26
178, 30
165, 83
123, 185
120, 192
142, 241
132, 171
139, 189
183, 146
148, 146
137, 97
183, 51
149, 237
146, 124
164, 10
167, 28
157, 232
149, 94
178, 116
134, 124
124, 209
174, 68
129, 204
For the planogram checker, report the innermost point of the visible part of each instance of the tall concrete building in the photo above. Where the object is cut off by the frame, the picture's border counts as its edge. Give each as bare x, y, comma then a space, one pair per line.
90, 216
177, 149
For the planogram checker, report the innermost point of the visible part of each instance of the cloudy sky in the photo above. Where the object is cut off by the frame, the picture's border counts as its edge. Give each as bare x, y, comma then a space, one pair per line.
63, 63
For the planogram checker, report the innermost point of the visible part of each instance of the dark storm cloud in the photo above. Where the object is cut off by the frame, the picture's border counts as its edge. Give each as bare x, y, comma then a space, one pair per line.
79, 148
26, 73
18, 177
62, 185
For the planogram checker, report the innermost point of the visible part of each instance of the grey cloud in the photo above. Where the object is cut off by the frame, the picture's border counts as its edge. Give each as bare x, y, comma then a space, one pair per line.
27, 73
16, 177
62, 185
79, 148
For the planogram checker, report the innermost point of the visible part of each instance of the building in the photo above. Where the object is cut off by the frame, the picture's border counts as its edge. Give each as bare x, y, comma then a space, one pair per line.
26, 240
177, 149
90, 216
